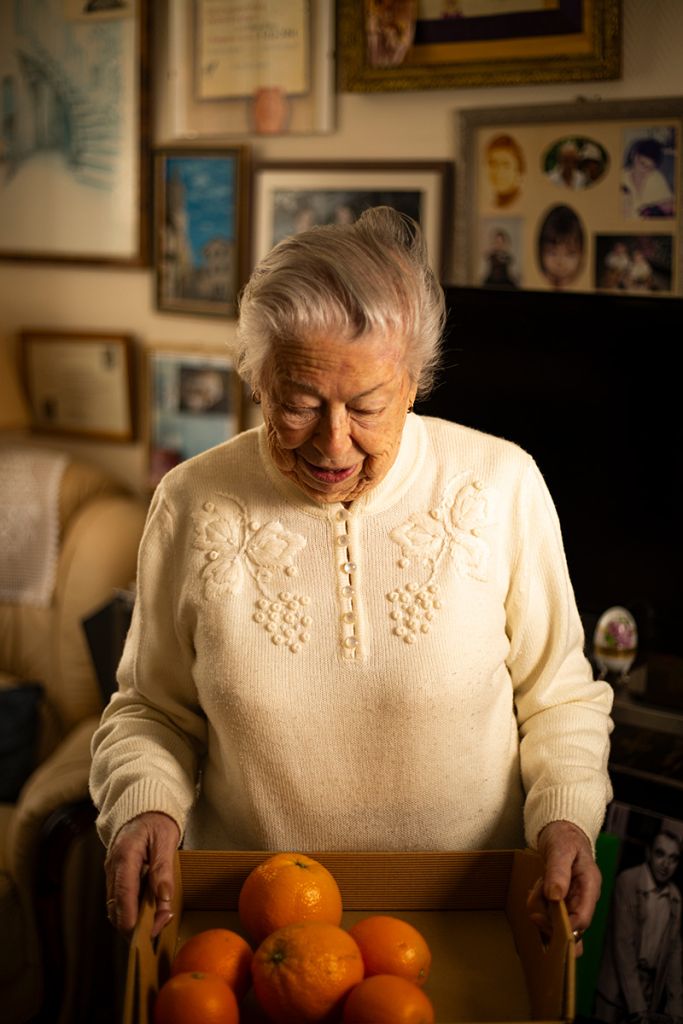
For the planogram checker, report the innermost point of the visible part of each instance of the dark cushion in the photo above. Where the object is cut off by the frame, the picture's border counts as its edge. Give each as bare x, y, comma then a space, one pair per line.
19, 722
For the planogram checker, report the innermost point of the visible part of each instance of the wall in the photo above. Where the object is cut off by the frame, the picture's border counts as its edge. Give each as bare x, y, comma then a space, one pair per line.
402, 125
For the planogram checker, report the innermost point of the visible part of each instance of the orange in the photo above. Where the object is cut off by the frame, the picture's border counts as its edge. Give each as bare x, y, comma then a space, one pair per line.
195, 997
387, 999
285, 889
301, 973
217, 951
390, 945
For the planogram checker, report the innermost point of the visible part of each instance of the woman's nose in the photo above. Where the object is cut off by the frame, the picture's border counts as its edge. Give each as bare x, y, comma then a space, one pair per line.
333, 437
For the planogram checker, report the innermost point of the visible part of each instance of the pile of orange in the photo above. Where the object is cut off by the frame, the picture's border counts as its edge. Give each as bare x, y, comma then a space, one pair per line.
305, 967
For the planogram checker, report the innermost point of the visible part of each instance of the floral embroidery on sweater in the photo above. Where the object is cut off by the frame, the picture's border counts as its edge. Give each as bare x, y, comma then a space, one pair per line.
235, 545
450, 530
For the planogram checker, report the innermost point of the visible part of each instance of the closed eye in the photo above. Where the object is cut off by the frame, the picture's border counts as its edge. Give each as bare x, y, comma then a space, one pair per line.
300, 411
367, 412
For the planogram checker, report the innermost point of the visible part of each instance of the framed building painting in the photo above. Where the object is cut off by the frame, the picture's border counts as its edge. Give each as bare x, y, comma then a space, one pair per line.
583, 197
288, 196
450, 44
74, 106
201, 208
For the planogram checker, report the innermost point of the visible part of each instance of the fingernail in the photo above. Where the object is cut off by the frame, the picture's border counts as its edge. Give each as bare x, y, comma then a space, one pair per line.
555, 892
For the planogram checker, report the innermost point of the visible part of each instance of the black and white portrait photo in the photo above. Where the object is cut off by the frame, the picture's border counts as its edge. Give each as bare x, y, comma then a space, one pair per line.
640, 980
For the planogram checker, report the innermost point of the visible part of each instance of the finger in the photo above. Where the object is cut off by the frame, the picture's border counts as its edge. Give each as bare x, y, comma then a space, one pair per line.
537, 909
583, 894
161, 878
558, 874
162, 917
124, 866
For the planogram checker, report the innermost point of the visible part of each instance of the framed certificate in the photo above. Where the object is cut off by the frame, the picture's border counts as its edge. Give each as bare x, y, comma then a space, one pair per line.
79, 383
231, 68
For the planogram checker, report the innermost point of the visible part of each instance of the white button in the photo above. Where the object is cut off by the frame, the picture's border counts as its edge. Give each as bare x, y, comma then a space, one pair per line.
351, 642
349, 567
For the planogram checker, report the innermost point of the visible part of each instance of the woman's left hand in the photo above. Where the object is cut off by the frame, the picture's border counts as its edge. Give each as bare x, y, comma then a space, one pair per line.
570, 874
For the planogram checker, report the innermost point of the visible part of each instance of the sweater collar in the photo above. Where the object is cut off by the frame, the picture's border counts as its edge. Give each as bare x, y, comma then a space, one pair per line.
402, 475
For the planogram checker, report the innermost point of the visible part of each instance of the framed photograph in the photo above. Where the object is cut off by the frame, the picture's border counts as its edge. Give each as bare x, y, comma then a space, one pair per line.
288, 197
584, 196
632, 950
194, 401
74, 141
79, 383
271, 74
201, 205
451, 44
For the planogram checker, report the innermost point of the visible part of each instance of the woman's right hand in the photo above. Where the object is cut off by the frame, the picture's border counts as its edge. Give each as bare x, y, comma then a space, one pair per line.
145, 844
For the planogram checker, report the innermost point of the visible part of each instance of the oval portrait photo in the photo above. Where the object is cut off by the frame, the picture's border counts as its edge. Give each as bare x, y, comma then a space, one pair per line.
575, 162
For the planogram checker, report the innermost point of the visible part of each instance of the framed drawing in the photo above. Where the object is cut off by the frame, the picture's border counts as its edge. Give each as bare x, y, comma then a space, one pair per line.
74, 138
201, 204
79, 383
289, 196
194, 401
272, 74
581, 196
422, 44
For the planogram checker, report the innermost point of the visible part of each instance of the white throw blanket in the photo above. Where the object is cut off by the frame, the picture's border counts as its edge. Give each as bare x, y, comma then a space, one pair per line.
29, 524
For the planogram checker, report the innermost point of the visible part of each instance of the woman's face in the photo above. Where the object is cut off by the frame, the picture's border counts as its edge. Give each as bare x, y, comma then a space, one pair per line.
504, 171
561, 262
643, 164
334, 412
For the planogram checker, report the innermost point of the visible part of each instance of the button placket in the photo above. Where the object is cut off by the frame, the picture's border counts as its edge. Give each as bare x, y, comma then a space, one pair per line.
347, 569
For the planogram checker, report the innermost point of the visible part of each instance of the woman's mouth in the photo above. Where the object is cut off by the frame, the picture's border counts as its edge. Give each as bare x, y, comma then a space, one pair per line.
327, 474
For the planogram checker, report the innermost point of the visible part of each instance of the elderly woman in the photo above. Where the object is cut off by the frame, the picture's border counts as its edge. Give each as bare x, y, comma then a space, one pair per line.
354, 627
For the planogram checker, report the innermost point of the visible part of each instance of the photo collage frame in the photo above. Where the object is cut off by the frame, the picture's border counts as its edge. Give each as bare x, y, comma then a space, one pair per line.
584, 198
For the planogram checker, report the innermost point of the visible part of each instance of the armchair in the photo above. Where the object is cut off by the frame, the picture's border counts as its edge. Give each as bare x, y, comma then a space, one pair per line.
51, 874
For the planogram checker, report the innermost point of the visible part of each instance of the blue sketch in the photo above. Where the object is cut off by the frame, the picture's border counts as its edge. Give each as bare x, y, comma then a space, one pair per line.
61, 91
198, 258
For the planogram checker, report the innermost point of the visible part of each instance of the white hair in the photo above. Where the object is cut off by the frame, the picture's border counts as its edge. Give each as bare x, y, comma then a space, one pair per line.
369, 277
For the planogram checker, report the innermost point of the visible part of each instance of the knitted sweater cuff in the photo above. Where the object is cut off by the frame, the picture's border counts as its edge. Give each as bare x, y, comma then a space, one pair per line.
585, 810
147, 794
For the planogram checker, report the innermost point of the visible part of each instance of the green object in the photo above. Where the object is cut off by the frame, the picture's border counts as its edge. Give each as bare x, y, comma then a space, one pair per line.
607, 850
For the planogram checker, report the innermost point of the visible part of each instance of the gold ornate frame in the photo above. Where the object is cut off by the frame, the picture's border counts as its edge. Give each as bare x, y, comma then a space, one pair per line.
559, 56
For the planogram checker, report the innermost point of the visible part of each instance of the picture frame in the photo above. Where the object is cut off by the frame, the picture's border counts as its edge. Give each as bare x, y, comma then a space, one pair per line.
601, 181
74, 149
194, 400
638, 853
512, 44
79, 383
289, 195
201, 211
209, 87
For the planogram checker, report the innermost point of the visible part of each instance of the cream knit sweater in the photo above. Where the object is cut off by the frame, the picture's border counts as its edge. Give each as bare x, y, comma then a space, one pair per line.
403, 674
